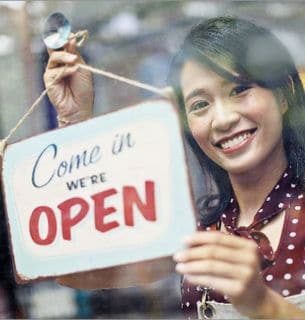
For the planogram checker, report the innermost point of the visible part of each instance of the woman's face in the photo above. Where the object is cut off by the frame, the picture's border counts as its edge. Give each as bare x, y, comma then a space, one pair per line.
237, 126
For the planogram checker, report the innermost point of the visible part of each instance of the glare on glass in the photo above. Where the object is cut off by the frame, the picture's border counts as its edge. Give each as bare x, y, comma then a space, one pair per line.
56, 31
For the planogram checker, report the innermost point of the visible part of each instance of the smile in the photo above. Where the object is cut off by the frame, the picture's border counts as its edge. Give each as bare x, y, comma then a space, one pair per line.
236, 141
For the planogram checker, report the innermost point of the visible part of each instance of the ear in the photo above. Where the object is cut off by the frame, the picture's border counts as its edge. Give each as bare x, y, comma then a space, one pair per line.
283, 104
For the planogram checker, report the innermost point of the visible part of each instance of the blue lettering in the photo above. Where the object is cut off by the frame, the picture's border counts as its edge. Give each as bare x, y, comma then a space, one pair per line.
64, 167
34, 172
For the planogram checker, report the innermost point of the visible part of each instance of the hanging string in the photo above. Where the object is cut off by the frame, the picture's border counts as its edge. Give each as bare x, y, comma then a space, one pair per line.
122, 79
3, 142
166, 92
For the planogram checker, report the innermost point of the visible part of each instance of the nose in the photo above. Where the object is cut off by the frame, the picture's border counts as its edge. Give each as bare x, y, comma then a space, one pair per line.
224, 116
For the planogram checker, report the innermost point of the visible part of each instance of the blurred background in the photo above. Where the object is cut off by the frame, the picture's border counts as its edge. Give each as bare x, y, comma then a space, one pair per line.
135, 39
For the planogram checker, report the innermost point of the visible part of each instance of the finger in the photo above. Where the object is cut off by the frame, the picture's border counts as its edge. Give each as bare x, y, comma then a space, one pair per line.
71, 45
59, 73
215, 268
61, 57
220, 238
214, 252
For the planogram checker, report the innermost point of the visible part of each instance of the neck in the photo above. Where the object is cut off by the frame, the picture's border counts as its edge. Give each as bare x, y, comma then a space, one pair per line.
251, 188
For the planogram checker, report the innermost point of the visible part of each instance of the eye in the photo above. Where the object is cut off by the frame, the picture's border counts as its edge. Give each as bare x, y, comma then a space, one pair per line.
199, 105
239, 89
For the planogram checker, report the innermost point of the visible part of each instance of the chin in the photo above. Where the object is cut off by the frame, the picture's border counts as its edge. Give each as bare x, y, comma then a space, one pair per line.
241, 167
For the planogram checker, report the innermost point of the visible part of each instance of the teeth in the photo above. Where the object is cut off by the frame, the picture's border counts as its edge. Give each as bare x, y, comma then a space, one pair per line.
235, 141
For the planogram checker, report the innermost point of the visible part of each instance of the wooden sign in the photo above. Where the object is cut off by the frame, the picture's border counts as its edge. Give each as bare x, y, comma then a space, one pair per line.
109, 191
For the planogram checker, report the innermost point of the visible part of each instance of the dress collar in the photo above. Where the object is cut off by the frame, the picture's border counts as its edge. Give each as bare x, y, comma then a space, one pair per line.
276, 202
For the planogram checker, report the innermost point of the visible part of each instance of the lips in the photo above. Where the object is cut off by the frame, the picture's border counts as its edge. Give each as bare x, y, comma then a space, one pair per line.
235, 140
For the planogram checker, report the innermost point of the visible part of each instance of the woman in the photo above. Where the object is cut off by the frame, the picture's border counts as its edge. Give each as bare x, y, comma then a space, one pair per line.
244, 106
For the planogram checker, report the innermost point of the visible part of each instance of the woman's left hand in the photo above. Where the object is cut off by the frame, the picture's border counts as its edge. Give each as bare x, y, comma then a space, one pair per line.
227, 263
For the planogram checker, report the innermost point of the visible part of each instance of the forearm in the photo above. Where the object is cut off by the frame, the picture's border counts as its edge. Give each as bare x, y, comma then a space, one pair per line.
274, 306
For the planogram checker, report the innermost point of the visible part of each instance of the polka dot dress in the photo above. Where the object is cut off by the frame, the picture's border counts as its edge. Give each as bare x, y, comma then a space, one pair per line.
282, 270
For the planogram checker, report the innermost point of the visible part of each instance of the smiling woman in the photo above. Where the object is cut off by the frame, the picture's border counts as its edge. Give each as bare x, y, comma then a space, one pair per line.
243, 103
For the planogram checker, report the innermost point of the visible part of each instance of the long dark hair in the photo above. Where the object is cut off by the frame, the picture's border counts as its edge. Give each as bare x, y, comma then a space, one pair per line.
258, 57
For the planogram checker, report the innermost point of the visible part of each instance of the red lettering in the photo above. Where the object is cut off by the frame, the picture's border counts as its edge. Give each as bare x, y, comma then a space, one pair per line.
34, 225
100, 212
75, 209
66, 220
131, 197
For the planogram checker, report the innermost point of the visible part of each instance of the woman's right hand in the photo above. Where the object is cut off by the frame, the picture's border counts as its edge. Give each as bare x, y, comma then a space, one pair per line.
72, 94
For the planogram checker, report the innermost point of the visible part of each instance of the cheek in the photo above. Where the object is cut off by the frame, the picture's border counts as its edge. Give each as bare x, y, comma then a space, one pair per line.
256, 107
199, 131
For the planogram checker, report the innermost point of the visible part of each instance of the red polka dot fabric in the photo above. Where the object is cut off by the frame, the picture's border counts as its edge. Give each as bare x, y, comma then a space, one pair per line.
283, 270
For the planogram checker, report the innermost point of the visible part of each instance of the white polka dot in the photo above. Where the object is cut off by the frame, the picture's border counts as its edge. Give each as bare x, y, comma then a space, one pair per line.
288, 195
234, 210
232, 200
198, 224
293, 185
188, 289
287, 276
269, 277
198, 288
208, 228
295, 221
291, 247
268, 199
281, 205
187, 304
303, 276
277, 186
292, 234
285, 292
289, 261
265, 221
260, 210
300, 196
297, 208
224, 215
285, 174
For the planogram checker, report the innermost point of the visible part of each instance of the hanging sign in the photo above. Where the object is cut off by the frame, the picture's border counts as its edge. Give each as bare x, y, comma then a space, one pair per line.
109, 191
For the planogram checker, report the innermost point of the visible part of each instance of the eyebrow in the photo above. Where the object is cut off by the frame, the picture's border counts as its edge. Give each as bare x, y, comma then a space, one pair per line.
201, 91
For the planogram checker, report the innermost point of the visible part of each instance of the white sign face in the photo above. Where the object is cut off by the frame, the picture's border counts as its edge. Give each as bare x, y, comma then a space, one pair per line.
108, 191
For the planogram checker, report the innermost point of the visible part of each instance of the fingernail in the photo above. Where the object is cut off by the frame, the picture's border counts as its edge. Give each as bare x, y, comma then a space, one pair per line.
187, 239
179, 267
179, 256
